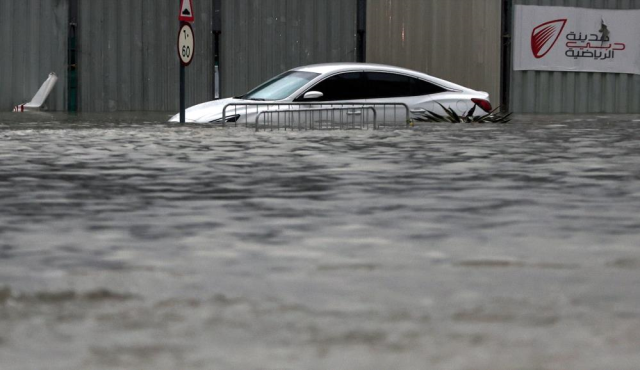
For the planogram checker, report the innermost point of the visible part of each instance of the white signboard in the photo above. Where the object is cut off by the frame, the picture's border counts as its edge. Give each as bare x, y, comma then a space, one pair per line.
186, 44
551, 38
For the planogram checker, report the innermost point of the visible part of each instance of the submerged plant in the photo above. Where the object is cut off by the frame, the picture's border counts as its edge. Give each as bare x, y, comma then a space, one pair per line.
452, 117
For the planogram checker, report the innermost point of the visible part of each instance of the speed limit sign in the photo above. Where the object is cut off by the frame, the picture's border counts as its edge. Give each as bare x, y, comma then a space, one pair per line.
186, 44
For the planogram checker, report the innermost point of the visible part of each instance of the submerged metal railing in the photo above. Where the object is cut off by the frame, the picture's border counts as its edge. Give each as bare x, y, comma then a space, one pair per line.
318, 119
317, 116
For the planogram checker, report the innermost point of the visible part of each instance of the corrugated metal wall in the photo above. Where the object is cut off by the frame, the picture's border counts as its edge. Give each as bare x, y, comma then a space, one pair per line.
128, 60
262, 38
33, 40
457, 40
576, 92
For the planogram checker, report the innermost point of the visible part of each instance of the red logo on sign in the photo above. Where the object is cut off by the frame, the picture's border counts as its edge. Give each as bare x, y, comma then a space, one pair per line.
545, 36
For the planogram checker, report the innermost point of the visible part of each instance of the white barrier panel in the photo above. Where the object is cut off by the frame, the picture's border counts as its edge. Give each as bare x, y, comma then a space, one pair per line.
41, 96
551, 38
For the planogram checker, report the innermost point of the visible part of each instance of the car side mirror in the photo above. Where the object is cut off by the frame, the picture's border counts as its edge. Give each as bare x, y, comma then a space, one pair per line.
313, 95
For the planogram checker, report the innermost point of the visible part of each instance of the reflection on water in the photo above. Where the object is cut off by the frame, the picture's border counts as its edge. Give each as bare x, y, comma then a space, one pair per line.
126, 242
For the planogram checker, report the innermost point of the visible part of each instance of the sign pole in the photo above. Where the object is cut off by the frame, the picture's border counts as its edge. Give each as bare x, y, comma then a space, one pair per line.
183, 104
186, 49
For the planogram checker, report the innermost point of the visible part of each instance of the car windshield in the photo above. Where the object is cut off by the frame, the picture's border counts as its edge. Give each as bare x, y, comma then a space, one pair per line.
281, 87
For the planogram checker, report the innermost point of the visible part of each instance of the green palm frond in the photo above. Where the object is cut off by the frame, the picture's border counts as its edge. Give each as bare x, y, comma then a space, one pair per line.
452, 117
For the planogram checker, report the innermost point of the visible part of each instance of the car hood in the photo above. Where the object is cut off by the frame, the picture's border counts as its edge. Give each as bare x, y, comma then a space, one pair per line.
209, 111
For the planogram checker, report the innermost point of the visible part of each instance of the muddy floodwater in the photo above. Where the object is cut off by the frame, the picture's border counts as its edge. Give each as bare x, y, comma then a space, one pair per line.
130, 243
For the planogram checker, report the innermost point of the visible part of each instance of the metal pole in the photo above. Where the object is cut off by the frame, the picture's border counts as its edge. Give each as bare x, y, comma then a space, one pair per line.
361, 26
183, 104
72, 62
217, 30
505, 65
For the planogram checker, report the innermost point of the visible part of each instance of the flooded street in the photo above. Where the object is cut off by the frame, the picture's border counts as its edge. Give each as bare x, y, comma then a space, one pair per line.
130, 243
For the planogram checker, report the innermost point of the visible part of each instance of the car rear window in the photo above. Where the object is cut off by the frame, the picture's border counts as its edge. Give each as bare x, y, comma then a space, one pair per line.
421, 87
389, 85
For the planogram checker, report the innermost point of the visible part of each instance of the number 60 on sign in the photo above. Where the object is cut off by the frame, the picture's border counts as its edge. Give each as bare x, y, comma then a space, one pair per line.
186, 44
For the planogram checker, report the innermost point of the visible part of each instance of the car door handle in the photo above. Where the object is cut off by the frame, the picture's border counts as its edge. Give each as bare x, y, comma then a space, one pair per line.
354, 113
419, 111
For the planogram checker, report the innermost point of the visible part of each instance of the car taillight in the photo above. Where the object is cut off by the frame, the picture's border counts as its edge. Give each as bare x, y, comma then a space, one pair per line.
485, 105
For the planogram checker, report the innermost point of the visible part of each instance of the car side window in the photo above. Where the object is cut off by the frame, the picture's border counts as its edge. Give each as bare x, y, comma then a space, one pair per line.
345, 86
390, 85
387, 85
420, 87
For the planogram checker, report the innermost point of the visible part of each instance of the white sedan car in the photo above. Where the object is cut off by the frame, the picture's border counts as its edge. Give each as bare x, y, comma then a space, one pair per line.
348, 83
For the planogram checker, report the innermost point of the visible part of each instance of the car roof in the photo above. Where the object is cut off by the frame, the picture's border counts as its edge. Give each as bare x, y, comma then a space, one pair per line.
341, 67
338, 67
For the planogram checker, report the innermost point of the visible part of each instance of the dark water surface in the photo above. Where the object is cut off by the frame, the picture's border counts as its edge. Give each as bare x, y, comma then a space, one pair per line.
128, 243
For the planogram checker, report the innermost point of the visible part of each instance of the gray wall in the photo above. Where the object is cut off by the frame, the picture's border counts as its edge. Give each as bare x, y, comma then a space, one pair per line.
33, 40
458, 40
576, 92
126, 48
262, 38
128, 59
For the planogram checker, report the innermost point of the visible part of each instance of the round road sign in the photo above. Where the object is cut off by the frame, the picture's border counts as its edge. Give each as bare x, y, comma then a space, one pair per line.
186, 44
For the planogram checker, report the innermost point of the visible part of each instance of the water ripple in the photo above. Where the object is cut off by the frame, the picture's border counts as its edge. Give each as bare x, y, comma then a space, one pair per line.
186, 245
